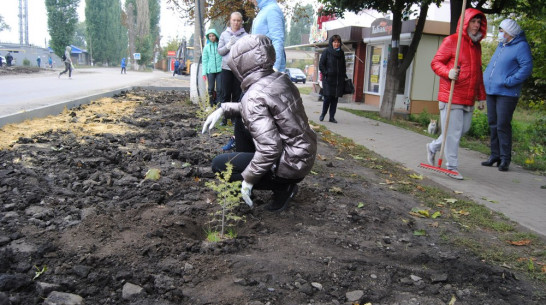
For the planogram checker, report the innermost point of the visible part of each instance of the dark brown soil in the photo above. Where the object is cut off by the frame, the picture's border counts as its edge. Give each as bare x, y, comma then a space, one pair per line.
18, 70
80, 205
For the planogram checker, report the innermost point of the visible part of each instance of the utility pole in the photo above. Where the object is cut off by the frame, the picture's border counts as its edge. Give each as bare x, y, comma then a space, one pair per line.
197, 85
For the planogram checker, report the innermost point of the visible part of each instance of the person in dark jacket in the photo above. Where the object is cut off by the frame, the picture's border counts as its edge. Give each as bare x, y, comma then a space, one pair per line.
9, 59
273, 112
212, 64
509, 67
231, 86
468, 86
332, 67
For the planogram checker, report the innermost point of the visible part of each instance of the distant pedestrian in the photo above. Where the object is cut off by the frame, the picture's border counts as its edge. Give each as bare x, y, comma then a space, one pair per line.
123, 66
9, 59
50, 62
270, 22
1, 62
38, 61
176, 67
332, 67
67, 62
509, 67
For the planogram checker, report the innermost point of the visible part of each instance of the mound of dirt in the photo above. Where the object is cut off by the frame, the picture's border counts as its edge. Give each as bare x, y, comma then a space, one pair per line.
15, 70
80, 220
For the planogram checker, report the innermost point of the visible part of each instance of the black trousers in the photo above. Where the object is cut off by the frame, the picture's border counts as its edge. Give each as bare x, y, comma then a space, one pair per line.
330, 102
240, 161
67, 67
214, 84
231, 87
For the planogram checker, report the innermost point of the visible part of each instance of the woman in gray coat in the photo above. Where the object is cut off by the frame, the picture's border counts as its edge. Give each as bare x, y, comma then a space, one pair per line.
272, 110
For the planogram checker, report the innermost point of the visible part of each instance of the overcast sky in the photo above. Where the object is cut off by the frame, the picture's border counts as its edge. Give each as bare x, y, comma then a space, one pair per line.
171, 26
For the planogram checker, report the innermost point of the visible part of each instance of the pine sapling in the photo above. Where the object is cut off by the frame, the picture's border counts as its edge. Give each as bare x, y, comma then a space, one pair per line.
228, 197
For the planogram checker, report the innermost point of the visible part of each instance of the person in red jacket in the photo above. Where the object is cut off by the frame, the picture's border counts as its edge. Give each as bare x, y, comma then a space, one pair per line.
468, 86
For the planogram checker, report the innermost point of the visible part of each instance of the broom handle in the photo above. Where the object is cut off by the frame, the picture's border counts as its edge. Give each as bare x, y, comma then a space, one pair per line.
458, 49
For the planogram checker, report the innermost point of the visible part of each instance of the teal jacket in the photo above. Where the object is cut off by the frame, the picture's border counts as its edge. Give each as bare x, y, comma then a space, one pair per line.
212, 61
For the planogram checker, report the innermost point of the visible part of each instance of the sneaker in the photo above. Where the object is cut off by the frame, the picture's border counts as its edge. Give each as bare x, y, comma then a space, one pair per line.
281, 198
230, 145
455, 175
431, 155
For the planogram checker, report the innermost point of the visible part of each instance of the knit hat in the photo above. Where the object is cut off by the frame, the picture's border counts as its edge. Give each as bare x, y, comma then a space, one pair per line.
510, 27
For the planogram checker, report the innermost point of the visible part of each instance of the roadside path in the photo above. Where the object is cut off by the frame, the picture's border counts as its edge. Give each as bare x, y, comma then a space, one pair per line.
516, 193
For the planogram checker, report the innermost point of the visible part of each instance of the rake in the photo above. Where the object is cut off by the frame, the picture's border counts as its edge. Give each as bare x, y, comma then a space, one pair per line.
446, 124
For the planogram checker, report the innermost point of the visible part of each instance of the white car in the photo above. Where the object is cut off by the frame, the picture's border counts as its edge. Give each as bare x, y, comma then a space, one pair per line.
296, 75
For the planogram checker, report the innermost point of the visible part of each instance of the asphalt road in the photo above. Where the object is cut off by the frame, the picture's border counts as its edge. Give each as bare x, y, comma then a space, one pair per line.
20, 93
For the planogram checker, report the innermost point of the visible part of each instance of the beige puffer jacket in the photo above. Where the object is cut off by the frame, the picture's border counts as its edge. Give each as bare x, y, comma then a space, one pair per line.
273, 112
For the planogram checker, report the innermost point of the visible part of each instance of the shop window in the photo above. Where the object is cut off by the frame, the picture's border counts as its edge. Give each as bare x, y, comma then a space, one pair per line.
374, 64
350, 64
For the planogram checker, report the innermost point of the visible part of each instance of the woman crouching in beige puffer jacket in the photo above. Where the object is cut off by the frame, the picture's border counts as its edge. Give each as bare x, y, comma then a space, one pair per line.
272, 110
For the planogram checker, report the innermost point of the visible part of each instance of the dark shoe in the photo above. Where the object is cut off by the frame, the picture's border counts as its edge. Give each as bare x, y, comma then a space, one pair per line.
503, 167
230, 145
281, 198
491, 161
321, 118
332, 120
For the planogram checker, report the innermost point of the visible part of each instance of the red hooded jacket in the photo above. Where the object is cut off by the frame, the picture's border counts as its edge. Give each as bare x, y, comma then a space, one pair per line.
469, 86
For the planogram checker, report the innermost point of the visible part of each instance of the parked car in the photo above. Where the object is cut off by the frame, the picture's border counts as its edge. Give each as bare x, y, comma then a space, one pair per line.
296, 75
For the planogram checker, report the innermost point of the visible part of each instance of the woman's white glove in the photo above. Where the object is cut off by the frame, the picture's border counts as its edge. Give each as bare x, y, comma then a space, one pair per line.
212, 119
231, 42
246, 189
454, 74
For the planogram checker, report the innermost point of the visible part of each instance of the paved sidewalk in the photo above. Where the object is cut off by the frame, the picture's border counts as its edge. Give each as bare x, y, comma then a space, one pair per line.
516, 193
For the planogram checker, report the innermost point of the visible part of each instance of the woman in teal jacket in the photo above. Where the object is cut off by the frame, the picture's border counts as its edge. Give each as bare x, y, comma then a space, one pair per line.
503, 78
212, 64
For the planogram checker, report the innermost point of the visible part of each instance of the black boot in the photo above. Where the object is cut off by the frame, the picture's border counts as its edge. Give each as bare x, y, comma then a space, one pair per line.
491, 161
321, 118
504, 164
282, 197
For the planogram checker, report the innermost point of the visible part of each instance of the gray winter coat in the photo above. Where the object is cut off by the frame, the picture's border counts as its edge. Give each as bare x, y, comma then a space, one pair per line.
273, 112
225, 37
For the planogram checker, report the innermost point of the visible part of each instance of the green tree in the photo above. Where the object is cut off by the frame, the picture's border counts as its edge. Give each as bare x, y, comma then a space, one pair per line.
300, 24
61, 22
144, 27
107, 38
3, 24
79, 35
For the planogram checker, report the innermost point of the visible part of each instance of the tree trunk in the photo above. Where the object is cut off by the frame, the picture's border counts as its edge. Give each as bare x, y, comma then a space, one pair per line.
392, 80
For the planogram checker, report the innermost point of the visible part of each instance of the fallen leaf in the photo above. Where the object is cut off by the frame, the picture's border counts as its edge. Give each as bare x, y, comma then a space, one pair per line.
450, 200
422, 189
434, 224
339, 158
452, 301
436, 215
360, 205
419, 232
543, 269
196, 179
416, 176
357, 157
336, 190
457, 192
152, 174
523, 242
321, 157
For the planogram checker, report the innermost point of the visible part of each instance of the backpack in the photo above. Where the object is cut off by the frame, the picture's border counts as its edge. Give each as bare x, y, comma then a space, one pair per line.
64, 57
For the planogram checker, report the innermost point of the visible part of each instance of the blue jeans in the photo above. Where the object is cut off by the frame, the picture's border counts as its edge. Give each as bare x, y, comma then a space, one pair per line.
500, 110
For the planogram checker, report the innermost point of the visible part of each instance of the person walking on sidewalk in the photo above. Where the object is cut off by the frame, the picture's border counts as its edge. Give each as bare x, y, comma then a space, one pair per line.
333, 70
468, 86
123, 66
212, 65
509, 67
273, 112
67, 62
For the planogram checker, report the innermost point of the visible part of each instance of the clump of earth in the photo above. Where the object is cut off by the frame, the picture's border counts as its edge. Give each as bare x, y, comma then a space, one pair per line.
81, 221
